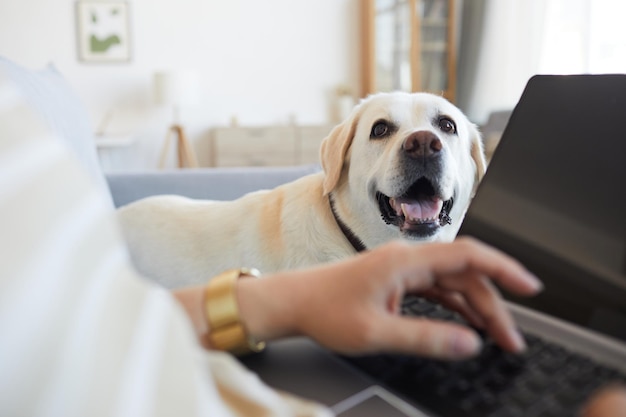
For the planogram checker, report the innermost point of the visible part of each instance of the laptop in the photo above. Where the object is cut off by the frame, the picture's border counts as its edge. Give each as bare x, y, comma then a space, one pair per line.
554, 197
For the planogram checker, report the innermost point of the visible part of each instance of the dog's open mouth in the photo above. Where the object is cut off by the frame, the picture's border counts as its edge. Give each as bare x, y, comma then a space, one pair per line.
419, 212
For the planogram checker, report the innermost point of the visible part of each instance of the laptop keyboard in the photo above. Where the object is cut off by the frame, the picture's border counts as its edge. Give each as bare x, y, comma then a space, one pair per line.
547, 380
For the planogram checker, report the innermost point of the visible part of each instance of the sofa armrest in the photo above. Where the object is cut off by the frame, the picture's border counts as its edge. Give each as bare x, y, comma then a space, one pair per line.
202, 183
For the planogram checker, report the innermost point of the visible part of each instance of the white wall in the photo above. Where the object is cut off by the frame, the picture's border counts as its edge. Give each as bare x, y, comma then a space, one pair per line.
262, 62
508, 57
524, 38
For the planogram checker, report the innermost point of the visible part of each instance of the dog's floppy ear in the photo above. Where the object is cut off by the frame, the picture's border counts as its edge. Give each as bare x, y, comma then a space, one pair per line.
334, 149
478, 154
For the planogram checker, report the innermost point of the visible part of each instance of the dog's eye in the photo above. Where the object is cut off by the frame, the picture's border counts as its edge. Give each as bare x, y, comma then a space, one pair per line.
447, 125
380, 129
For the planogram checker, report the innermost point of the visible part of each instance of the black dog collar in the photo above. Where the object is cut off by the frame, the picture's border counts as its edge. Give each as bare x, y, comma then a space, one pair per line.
356, 243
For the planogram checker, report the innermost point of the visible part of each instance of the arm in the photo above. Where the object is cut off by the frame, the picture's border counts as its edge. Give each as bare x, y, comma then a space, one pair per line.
352, 306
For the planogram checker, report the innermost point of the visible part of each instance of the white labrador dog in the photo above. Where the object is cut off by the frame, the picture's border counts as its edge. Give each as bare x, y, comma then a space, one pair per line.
403, 165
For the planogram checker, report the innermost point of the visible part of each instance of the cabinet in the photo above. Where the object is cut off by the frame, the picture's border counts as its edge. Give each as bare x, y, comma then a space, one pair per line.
409, 45
114, 151
267, 145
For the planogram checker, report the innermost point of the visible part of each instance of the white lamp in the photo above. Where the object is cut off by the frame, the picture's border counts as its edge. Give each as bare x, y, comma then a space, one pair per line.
177, 89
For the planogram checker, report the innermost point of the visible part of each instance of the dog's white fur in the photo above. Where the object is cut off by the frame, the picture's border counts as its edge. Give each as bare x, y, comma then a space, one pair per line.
178, 241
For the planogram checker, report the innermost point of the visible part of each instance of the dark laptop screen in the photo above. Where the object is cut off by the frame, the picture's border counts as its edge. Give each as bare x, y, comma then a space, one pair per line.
554, 196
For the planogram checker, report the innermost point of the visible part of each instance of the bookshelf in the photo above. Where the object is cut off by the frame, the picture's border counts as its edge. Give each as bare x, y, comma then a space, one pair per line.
409, 45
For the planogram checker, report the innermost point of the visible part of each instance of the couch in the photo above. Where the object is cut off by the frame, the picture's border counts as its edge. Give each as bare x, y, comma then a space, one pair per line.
205, 183
51, 96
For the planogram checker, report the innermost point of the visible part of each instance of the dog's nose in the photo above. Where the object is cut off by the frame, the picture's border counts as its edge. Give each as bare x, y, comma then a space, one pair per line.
422, 144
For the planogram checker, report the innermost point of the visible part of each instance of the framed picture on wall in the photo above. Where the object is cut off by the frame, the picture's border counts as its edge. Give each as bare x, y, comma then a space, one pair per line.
103, 31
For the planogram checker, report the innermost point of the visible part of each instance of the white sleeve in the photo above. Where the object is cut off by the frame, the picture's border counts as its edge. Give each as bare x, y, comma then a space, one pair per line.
81, 334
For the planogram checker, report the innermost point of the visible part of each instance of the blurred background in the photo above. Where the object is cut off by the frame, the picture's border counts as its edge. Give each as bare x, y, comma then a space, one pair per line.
261, 82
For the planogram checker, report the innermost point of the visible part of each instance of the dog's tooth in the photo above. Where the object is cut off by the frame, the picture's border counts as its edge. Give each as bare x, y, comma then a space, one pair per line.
403, 207
394, 204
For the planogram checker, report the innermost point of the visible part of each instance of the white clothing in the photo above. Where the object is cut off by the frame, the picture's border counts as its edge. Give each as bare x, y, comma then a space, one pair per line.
81, 334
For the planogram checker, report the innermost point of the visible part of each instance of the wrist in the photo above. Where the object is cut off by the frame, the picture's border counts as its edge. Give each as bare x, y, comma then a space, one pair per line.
267, 306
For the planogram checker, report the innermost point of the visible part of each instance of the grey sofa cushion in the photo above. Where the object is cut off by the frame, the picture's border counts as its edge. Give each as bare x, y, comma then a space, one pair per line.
202, 183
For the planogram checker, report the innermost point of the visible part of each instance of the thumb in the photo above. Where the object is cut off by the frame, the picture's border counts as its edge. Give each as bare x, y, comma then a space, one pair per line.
428, 338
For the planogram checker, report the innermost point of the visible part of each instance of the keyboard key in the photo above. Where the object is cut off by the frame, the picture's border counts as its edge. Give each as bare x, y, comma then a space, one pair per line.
495, 382
480, 401
538, 381
523, 397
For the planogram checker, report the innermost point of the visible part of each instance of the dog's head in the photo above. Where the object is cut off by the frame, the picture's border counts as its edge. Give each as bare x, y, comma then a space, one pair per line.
403, 165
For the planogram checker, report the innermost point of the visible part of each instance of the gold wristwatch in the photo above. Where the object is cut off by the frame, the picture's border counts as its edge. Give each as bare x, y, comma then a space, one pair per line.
226, 331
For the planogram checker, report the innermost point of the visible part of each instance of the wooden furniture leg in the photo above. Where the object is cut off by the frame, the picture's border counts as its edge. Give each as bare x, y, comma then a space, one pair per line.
185, 154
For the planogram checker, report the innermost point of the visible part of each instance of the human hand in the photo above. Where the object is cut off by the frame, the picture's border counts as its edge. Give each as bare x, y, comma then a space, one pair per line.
352, 306
608, 402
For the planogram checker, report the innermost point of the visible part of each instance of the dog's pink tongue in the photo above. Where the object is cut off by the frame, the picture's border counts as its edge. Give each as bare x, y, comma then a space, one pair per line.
418, 210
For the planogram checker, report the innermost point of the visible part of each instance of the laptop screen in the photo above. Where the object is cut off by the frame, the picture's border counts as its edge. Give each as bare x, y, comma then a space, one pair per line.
554, 197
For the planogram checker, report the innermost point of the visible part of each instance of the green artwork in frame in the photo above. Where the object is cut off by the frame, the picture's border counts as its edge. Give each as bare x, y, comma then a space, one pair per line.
103, 31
